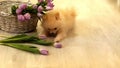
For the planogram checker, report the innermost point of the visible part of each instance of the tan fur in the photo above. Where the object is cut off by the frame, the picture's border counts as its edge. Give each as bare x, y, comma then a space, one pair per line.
58, 21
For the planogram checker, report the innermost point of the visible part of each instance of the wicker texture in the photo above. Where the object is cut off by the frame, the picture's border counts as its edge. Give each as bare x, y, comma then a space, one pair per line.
10, 23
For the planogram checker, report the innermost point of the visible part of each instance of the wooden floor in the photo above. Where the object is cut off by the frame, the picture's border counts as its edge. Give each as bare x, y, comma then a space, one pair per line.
95, 44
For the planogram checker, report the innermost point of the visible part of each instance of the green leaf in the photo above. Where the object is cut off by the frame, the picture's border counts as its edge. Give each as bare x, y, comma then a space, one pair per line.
17, 36
29, 9
26, 39
43, 4
13, 9
42, 42
19, 46
18, 39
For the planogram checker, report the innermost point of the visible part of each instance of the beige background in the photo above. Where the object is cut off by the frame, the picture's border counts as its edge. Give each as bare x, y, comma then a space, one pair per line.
95, 44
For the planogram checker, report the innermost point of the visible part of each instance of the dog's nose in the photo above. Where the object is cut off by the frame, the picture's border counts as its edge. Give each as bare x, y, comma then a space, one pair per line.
52, 34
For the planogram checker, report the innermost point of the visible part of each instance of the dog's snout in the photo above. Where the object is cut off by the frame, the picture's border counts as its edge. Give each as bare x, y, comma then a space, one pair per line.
52, 34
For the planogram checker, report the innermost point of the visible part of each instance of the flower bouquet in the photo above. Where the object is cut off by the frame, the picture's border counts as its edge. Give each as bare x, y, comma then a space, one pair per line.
21, 17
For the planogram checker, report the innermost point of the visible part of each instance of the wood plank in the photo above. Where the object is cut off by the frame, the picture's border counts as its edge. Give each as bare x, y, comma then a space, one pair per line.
95, 44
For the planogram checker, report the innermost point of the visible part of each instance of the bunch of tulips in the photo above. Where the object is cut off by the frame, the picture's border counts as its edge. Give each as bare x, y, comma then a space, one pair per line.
25, 11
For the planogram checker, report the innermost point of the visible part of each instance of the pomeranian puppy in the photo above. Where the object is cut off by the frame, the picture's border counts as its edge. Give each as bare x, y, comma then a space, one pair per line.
58, 22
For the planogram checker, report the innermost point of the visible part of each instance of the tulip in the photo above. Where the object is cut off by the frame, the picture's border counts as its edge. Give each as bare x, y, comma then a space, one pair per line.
27, 16
40, 8
39, 14
21, 18
58, 45
44, 52
18, 11
34, 6
49, 8
23, 6
50, 4
42, 37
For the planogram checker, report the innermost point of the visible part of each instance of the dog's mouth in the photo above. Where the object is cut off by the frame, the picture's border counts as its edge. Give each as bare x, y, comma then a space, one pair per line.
52, 34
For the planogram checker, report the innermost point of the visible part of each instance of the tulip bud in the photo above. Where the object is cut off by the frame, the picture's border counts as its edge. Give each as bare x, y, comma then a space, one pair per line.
22, 6
21, 18
44, 52
58, 45
49, 8
34, 6
27, 16
42, 37
18, 11
50, 4
40, 8
39, 14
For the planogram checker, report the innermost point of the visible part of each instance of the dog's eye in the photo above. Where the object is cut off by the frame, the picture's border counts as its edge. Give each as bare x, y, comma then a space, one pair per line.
55, 28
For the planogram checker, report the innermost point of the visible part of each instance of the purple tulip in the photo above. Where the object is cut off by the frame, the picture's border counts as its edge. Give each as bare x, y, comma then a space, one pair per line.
44, 52
49, 8
22, 6
34, 6
42, 37
40, 1
58, 45
39, 14
20, 18
50, 4
40, 8
27, 16
18, 11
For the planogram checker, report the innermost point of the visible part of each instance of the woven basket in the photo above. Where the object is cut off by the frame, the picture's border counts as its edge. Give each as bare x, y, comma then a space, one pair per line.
10, 23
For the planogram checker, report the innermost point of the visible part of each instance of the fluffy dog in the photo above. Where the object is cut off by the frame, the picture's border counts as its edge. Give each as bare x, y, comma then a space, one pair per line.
58, 23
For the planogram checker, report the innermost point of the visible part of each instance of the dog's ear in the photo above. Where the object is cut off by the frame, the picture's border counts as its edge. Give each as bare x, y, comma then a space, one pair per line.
57, 16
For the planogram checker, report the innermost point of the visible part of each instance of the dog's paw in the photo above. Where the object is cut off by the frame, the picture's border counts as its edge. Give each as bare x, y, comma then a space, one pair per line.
59, 37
